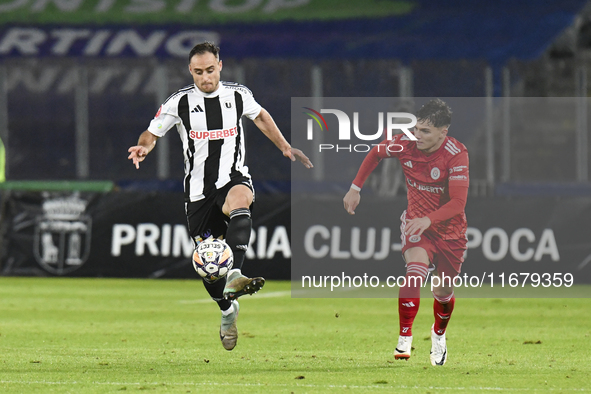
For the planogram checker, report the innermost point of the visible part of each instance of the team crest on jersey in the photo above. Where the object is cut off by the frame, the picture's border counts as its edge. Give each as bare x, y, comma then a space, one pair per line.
414, 238
435, 173
228, 104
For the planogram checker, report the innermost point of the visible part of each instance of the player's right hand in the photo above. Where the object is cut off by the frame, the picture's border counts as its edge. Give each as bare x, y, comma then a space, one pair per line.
137, 154
293, 154
351, 200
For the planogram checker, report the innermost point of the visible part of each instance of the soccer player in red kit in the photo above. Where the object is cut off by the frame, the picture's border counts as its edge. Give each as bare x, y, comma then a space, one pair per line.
434, 223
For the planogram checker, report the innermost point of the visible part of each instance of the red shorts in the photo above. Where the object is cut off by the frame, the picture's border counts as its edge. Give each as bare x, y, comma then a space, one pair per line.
445, 256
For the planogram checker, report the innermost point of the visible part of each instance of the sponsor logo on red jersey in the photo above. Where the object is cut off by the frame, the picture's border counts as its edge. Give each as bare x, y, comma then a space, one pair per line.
458, 178
457, 169
213, 134
430, 189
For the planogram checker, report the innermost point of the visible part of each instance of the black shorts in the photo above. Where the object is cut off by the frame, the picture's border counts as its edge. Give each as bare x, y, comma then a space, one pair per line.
205, 217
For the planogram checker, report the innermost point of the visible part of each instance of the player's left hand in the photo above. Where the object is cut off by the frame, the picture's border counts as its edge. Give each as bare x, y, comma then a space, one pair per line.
293, 154
417, 226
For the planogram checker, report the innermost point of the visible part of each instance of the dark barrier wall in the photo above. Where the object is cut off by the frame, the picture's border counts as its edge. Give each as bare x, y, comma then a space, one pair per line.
505, 235
143, 234
125, 234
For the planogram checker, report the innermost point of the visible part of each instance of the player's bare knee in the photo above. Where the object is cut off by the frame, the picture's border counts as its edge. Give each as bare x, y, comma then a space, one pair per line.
235, 204
442, 290
416, 254
239, 197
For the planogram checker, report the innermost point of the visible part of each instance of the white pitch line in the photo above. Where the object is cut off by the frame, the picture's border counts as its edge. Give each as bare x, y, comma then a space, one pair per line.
274, 294
317, 386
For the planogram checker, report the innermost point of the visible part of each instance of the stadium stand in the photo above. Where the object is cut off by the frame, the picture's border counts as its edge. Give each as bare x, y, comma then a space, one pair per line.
447, 47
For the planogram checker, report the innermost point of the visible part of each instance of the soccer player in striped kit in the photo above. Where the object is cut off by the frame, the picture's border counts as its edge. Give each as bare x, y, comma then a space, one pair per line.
217, 184
434, 223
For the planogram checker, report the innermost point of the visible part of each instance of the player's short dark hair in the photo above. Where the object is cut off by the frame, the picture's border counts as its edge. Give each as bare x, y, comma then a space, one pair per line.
436, 112
205, 47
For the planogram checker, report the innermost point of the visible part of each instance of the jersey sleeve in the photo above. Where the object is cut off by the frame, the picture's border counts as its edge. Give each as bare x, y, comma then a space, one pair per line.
458, 183
165, 118
159, 126
251, 108
381, 151
458, 196
459, 174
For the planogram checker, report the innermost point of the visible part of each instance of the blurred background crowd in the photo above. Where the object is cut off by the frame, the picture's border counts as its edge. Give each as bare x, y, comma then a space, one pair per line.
80, 79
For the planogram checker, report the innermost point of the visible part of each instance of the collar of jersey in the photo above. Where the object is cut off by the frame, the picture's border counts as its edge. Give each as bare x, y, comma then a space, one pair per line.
215, 93
435, 154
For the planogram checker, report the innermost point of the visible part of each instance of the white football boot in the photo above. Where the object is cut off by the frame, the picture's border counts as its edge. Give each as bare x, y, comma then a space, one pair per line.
238, 285
402, 351
438, 349
228, 328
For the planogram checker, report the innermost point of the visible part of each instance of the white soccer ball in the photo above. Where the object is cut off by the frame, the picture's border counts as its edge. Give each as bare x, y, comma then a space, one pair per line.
212, 259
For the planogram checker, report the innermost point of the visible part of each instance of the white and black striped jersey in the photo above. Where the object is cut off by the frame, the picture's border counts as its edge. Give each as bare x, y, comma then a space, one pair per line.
210, 128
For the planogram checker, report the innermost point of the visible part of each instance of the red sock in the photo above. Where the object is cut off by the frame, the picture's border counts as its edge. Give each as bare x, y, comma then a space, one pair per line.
442, 309
409, 296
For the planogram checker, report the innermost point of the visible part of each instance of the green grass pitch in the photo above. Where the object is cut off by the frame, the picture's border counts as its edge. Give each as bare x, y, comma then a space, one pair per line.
113, 335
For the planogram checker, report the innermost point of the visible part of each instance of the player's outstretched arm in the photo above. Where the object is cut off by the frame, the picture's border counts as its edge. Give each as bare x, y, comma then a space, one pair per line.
353, 197
145, 144
267, 125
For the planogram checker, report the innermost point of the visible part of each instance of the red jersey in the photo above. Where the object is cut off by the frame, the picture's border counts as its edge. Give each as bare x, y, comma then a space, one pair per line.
429, 179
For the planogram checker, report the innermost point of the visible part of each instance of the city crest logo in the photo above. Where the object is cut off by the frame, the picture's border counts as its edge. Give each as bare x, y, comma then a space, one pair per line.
62, 235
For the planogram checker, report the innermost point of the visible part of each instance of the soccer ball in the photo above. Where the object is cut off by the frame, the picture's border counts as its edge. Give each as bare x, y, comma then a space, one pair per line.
212, 260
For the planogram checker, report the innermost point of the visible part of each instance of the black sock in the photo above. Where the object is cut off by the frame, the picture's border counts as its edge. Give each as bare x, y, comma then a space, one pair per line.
216, 291
238, 234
